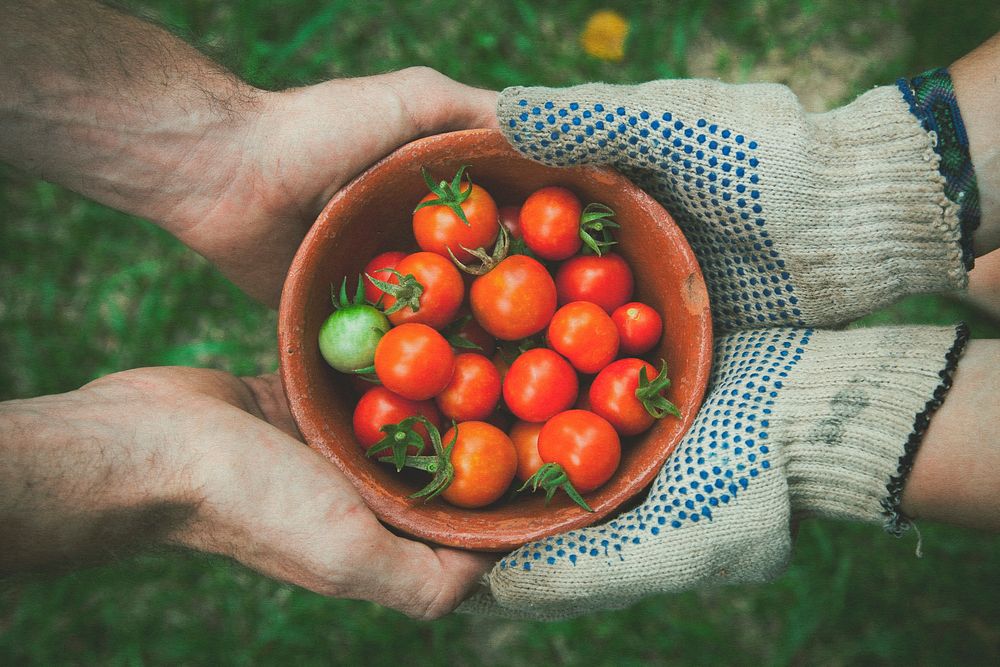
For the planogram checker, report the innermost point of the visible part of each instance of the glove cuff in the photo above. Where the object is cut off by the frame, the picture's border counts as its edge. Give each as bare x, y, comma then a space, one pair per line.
932, 100
869, 220
854, 415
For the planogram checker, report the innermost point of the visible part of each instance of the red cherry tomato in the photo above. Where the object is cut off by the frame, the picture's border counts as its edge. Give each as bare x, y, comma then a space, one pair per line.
524, 435
438, 228
539, 384
380, 407
485, 462
386, 260
414, 360
443, 290
605, 280
474, 389
639, 327
584, 444
514, 300
583, 333
612, 396
550, 223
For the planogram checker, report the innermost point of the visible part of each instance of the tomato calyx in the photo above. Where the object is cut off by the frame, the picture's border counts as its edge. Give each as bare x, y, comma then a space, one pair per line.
406, 292
448, 194
595, 227
650, 395
487, 260
341, 300
398, 439
509, 350
438, 464
453, 334
519, 247
551, 477
522, 345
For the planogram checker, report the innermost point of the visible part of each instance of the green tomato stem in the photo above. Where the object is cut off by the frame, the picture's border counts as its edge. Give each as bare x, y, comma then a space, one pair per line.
552, 477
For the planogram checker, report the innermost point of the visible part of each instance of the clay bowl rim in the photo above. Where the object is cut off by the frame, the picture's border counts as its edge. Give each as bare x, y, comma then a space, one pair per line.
411, 517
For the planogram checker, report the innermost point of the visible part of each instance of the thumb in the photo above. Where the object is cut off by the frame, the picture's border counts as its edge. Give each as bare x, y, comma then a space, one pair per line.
422, 581
567, 126
433, 103
368, 118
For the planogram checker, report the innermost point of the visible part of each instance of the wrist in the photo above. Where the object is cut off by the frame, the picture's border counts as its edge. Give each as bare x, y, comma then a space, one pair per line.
205, 163
117, 109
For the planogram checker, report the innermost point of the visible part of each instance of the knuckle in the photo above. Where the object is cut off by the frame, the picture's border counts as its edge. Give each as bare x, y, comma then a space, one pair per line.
423, 73
434, 603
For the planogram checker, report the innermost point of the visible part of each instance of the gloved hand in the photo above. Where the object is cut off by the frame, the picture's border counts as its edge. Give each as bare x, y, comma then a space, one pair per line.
798, 220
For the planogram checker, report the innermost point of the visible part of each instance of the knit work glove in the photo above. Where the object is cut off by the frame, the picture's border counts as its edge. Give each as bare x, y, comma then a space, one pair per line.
798, 220
798, 422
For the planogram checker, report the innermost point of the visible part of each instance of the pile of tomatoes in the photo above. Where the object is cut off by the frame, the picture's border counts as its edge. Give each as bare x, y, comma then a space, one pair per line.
499, 355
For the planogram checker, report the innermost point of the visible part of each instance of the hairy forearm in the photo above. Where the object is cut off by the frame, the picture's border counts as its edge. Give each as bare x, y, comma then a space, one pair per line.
70, 493
117, 108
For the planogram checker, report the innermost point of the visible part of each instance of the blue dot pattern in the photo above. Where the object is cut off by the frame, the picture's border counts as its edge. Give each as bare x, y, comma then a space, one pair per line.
708, 176
727, 448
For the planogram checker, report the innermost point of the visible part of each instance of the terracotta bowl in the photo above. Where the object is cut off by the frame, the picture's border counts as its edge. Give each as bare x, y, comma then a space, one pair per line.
373, 214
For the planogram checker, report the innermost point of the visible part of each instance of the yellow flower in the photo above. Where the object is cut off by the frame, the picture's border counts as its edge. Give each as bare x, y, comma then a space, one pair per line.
604, 35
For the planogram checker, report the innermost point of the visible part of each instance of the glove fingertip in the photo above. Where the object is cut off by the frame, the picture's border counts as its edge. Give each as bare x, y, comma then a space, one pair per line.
511, 99
533, 121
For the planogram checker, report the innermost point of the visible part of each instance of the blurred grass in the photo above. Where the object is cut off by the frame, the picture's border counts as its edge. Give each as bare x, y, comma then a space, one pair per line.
85, 291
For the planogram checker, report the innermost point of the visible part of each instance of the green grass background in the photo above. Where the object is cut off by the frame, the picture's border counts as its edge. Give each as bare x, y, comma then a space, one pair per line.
86, 291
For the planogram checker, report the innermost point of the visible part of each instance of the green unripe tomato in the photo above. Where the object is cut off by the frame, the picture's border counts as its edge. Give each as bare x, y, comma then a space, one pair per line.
348, 338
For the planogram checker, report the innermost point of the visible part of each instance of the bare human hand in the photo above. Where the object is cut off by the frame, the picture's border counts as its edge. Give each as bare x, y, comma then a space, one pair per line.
204, 460
122, 111
305, 144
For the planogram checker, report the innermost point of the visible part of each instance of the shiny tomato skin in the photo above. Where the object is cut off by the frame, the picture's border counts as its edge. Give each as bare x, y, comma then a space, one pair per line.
606, 280
485, 462
583, 333
438, 228
584, 444
612, 396
443, 292
639, 327
380, 407
385, 260
539, 384
414, 361
524, 435
349, 337
550, 223
474, 389
514, 300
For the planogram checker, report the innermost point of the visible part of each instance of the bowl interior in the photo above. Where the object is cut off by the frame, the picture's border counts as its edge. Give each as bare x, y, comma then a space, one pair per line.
372, 215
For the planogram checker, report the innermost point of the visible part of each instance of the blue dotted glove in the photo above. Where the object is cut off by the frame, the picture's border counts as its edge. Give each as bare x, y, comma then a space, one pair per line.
798, 221
798, 422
